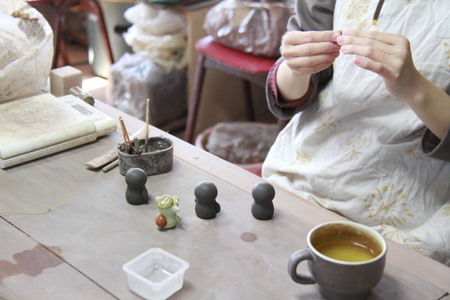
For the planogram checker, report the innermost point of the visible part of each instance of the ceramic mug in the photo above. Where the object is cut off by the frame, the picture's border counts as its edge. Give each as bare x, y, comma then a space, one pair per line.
345, 259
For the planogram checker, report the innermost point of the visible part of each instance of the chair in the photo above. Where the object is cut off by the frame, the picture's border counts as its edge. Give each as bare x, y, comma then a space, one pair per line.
62, 7
212, 55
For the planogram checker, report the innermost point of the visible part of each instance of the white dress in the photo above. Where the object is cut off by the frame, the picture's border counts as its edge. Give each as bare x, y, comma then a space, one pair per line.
356, 150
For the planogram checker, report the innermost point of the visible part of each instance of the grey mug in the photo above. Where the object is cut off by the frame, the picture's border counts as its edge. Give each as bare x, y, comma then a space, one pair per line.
339, 279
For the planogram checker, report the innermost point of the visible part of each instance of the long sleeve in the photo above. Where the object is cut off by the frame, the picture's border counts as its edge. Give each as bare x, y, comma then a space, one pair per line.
309, 15
433, 147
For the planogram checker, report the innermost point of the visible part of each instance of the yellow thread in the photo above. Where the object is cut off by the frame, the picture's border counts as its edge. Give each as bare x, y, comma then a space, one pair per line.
37, 213
6, 297
374, 22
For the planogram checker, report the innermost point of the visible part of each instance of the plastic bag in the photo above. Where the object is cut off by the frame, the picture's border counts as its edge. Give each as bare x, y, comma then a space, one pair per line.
157, 34
168, 51
135, 78
155, 21
241, 142
26, 50
252, 27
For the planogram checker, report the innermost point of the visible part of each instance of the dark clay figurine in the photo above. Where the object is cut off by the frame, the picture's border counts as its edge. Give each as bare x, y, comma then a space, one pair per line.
263, 194
206, 206
136, 193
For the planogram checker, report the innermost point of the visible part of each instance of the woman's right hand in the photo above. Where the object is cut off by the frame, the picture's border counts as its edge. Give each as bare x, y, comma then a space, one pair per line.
309, 52
305, 53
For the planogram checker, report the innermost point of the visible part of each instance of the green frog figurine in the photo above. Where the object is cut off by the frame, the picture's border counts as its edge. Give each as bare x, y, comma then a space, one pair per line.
168, 208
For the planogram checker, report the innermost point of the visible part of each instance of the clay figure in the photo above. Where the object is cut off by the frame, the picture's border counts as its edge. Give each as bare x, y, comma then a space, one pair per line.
206, 206
136, 192
168, 209
262, 207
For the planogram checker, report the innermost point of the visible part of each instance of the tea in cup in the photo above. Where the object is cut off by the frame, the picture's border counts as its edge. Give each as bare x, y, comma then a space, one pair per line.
345, 259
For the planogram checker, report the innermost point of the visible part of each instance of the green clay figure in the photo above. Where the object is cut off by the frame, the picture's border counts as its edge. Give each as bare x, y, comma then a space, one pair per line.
168, 208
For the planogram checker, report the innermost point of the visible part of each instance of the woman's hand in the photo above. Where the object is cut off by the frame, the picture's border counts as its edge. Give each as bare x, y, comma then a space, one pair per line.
309, 52
305, 53
389, 55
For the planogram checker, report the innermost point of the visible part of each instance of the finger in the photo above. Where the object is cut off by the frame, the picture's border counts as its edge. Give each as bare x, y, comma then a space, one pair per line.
310, 49
370, 65
372, 53
388, 38
349, 41
303, 37
363, 46
310, 61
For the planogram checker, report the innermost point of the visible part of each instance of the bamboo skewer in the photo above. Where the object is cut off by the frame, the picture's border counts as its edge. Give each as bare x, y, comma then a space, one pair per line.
126, 138
147, 122
137, 148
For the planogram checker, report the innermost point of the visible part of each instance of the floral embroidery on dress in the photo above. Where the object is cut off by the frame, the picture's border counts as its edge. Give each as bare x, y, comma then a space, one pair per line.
387, 206
447, 52
400, 236
356, 147
327, 122
414, 151
446, 211
355, 9
397, 235
300, 160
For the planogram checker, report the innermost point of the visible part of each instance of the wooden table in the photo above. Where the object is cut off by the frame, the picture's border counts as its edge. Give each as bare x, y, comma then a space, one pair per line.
77, 250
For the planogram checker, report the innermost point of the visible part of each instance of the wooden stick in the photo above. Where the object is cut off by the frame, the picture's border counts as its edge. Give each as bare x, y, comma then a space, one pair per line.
137, 148
111, 166
147, 122
102, 160
126, 138
111, 155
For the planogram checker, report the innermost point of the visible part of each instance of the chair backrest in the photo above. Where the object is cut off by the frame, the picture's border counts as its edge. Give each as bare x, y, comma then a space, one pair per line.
232, 57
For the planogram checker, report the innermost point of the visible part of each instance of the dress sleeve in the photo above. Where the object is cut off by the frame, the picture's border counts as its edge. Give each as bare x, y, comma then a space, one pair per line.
434, 147
309, 15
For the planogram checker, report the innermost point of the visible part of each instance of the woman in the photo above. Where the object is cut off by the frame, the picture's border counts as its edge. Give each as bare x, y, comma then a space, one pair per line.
367, 83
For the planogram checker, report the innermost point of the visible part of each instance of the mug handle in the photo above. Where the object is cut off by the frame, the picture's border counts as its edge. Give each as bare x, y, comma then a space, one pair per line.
295, 259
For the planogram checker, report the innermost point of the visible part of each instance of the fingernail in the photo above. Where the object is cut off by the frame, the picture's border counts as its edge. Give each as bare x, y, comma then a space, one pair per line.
335, 35
340, 39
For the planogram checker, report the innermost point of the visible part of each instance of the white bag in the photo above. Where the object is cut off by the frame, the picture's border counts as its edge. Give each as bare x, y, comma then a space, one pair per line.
159, 35
26, 50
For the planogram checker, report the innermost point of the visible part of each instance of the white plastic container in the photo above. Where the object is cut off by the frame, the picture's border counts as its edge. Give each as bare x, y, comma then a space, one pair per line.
155, 274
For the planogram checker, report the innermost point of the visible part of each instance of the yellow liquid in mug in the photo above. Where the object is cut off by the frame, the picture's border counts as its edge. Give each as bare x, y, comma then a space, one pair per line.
347, 251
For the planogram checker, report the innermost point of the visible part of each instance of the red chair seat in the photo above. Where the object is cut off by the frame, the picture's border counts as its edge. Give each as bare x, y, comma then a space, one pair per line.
234, 58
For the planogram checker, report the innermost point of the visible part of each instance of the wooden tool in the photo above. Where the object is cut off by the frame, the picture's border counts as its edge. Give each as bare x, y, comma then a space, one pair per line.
109, 156
147, 122
126, 138
137, 147
111, 166
102, 160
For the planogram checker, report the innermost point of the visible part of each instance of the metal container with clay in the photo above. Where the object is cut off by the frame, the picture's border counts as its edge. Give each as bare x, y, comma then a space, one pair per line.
156, 159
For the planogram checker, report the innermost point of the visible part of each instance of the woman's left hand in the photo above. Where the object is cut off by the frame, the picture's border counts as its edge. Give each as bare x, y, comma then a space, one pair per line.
387, 54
